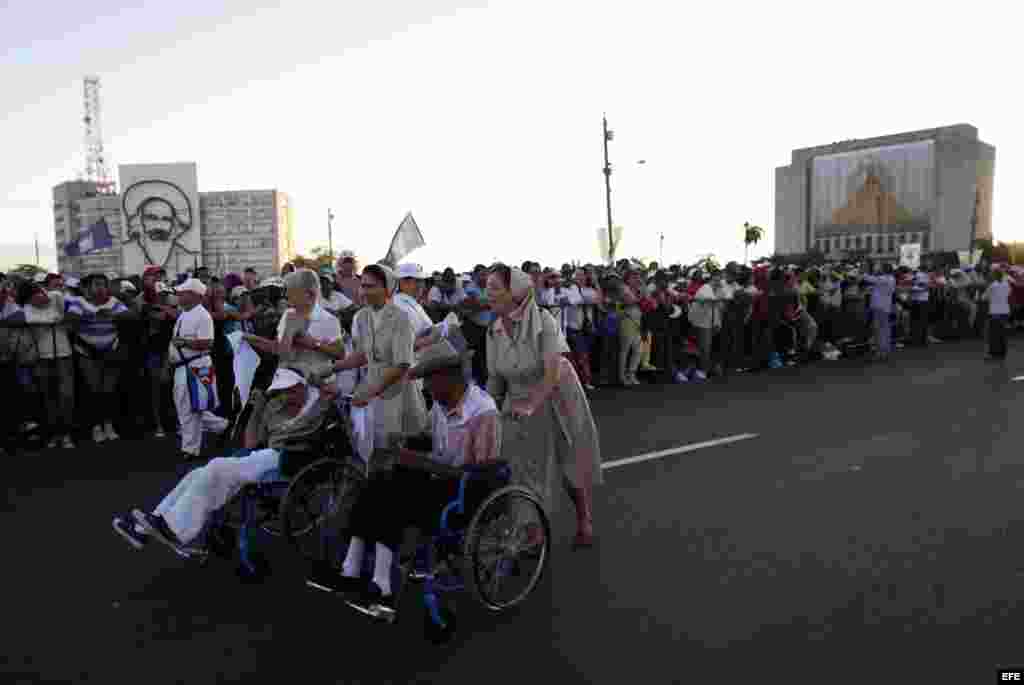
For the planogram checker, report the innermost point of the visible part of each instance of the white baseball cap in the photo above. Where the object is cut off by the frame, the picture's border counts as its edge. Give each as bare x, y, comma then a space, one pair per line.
192, 285
238, 291
284, 379
411, 271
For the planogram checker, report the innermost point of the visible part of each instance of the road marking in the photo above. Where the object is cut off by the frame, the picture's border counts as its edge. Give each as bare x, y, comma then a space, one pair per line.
1019, 378
677, 450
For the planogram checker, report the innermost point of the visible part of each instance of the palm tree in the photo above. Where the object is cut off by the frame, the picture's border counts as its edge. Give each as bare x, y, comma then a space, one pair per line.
751, 236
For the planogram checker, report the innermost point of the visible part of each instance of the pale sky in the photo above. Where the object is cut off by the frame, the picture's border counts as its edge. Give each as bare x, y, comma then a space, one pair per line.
484, 119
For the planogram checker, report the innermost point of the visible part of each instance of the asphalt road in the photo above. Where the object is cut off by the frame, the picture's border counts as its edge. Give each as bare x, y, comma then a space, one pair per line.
871, 532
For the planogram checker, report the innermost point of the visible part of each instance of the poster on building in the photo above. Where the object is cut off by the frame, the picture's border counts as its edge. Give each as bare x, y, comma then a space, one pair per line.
160, 208
910, 256
877, 190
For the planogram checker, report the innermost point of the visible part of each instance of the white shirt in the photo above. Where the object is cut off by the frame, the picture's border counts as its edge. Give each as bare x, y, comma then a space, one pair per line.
998, 295
337, 302
47, 338
323, 326
419, 318
450, 430
437, 297
195, 324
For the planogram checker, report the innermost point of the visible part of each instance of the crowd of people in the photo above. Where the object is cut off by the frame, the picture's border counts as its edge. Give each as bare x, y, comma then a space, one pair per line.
494, 364
89, 358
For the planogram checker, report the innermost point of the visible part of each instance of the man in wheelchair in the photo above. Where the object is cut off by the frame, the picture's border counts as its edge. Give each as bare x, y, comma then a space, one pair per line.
464, 430
281, 427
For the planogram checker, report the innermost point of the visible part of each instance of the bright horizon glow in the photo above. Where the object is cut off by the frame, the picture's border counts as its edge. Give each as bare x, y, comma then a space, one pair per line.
485, 121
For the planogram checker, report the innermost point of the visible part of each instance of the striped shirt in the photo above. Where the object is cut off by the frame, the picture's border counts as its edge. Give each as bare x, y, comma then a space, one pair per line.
100, 333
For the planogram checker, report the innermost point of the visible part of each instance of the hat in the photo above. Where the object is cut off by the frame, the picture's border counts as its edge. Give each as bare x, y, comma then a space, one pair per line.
411, 271
129, 287
40, 277
284, 379
192, 285
676, 312
71, 282
450, 352
238, 291
274, 281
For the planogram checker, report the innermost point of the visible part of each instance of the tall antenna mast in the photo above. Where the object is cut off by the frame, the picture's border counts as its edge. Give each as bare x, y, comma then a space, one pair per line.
96, 169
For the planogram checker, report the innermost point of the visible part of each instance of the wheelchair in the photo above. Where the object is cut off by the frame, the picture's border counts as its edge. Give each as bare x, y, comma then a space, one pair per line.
483, 544
297, 509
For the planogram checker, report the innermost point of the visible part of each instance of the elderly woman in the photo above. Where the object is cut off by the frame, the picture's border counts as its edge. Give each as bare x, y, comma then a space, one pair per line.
308, 336
383, 338
532, 381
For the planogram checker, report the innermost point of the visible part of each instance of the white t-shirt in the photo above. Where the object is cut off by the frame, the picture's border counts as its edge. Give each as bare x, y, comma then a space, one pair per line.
450, 430
998, 295
195, 324
419, 318
337, 302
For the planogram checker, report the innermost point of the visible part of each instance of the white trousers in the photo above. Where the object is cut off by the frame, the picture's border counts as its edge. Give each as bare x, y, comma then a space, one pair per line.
208, 488
192, 424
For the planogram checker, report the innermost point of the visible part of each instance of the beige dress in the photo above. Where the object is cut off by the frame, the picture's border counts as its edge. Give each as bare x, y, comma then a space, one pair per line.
388, 343
561, 434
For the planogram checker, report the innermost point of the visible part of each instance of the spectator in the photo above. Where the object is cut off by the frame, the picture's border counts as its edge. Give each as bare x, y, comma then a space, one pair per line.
157, 307
477, 318
93, 319
347, 279
445, 297
250, 279
883, 287
998, 296
334, 301
190, 355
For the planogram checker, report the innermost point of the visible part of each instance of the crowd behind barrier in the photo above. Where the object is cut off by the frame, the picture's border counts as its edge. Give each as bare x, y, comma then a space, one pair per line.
87, 359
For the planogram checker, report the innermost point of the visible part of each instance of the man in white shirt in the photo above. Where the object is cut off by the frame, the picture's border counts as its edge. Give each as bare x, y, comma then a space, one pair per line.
410, 279
446, 296
189, 354
998, 297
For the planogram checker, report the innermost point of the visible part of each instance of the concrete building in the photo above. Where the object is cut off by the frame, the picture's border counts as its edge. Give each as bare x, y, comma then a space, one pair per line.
160, 217
76, 207
246, 228
932, 187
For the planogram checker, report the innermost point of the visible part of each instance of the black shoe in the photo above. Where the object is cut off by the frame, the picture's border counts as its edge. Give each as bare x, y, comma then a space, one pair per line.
158, 528
374, 603
327, 579
125, 527
187, 456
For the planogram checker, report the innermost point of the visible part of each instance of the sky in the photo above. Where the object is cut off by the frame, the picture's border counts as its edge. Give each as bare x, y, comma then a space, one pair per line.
484, 119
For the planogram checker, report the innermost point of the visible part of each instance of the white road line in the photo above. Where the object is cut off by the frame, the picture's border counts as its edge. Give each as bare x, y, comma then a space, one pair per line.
677, 450
1019, 378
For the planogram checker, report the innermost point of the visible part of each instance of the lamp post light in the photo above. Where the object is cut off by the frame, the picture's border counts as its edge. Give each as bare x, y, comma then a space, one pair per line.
608, 135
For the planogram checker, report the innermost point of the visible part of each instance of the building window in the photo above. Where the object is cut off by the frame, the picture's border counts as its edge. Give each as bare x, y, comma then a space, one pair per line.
892, 243
867, 243
903, 239
924, 241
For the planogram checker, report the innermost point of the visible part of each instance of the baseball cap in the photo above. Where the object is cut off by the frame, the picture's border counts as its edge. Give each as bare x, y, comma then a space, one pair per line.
411, 271
284, 379
192, 285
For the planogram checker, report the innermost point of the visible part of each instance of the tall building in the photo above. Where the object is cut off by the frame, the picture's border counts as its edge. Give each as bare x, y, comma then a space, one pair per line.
867, 197
246, 228
161, 218
77, 206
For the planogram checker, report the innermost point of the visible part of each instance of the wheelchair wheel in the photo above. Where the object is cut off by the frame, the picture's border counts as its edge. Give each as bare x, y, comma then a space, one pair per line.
319, 500
502, 558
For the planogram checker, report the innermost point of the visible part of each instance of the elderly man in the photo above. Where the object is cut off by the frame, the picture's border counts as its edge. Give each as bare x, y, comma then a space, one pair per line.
283, 422
192, 365
464, 429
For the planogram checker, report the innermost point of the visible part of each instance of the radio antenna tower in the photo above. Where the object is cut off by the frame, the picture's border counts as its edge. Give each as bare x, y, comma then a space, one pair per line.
96, 169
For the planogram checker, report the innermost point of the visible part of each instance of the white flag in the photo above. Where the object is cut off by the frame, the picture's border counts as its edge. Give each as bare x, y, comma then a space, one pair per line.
407, 238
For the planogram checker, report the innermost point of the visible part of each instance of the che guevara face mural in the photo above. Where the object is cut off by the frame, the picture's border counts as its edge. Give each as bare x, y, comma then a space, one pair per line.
158, 215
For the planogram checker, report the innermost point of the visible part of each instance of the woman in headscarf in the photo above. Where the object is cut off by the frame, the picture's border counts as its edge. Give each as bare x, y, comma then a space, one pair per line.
551, 424
383, 337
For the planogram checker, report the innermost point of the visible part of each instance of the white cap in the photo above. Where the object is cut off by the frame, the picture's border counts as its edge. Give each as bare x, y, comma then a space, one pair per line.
192, 285
39, 277
284, 379
411, 271
238, 291
273, 280
161, 287
71, 282
128, 286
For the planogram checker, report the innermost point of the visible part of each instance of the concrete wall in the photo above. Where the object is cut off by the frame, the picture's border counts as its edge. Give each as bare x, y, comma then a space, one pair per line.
238, 230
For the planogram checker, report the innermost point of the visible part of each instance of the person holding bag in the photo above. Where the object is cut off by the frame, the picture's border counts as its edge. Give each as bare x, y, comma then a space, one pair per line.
195, 384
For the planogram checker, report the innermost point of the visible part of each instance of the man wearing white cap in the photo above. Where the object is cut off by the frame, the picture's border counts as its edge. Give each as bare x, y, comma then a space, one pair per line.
284, 421
410, 280
189, 353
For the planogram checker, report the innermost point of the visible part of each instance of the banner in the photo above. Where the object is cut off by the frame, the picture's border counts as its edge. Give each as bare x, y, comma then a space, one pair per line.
910, 255
407, 238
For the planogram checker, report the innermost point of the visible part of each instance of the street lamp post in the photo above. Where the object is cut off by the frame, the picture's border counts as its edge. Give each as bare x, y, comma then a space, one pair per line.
608, 135
330, 235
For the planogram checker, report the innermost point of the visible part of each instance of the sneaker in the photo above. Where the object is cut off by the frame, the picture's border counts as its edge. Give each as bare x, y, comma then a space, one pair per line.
159, 434
52, 444
111, 435
188, 456
98, 435
699, 376
67, 443
680, 377
125, 526
158, 528
589, 387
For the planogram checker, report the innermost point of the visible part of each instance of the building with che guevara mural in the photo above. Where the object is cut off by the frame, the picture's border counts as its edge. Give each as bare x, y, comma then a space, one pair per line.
867, 197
